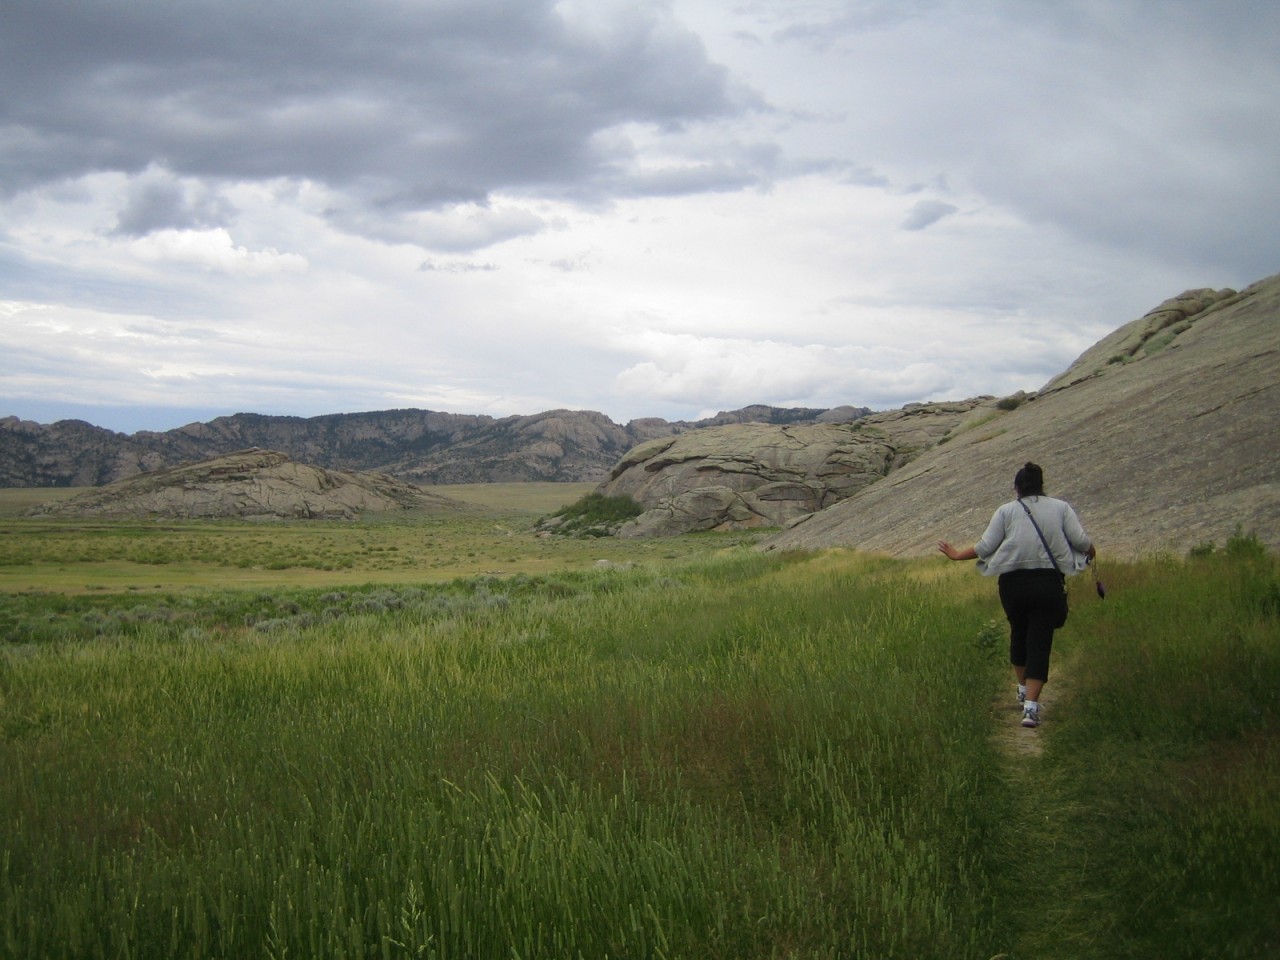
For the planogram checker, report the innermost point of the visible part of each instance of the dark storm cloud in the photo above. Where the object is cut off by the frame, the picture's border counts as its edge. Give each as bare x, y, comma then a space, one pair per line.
403, 106
160, 202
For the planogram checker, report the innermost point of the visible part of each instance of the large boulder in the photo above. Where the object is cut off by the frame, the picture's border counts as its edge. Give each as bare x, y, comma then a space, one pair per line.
248, 484
746, 475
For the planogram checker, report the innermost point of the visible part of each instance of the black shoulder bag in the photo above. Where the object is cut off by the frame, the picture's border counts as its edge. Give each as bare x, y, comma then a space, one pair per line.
1060, 616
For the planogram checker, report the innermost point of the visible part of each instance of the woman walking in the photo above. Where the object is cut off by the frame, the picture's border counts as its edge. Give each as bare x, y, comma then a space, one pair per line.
1031, 544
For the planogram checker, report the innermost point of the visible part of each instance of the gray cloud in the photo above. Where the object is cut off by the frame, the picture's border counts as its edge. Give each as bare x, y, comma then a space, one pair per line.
402, 107
453, 228
157, 201
926, 213
1147, 126
456, 266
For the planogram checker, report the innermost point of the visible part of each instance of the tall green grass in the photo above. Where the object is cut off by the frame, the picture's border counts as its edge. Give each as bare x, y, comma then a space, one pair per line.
1159, 832
748, 756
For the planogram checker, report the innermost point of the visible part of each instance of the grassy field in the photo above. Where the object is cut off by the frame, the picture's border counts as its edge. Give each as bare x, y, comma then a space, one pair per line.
699, 750
491, 537
519, 498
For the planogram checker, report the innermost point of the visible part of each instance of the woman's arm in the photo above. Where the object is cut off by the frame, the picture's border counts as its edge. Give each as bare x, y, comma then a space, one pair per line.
954, 553
990, 540
1076, 536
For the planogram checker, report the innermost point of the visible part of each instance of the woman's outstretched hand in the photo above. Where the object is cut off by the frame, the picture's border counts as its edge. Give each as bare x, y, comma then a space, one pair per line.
954, 553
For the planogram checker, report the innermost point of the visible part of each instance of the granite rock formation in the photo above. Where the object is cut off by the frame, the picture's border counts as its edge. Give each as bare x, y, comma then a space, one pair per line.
249, 484
749, 475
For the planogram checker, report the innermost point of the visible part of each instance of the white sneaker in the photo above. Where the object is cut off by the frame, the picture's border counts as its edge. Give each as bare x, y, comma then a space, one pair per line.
1030, 716
1022, 697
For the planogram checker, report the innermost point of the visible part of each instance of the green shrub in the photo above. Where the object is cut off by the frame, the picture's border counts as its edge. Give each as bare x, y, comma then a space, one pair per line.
1245, 546
1158, 343
595, 515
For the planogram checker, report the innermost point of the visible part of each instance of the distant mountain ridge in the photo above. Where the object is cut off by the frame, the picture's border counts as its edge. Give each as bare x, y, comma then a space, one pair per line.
419, 446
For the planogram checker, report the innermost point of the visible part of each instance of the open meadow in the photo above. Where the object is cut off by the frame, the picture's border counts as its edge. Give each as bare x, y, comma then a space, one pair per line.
442, 736
489, 537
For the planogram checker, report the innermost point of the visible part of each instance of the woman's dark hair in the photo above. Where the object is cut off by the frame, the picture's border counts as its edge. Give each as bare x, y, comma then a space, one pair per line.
1029, 481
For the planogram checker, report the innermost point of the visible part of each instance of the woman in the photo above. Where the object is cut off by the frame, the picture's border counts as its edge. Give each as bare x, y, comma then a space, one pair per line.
1031, 578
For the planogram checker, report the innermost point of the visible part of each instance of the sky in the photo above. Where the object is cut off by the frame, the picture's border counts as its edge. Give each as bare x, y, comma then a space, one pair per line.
647, 208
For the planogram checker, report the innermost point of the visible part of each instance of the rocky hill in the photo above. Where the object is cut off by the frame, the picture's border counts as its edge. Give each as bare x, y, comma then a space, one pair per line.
249, 484
418, 446
1163, 435
741, 476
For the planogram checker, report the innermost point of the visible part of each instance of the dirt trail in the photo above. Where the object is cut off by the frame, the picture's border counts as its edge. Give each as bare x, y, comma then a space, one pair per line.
1013, 738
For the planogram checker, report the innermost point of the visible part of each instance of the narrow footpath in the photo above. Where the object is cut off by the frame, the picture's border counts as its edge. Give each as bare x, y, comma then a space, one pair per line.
1015, 740
1042, 877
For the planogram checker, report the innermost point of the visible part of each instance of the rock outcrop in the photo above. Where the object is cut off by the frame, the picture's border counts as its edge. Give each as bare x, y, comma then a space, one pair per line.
1154, 331
1163, 435
749, 475
251, 484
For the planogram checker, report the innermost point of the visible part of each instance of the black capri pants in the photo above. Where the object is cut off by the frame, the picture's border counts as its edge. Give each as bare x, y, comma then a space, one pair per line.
1031, 601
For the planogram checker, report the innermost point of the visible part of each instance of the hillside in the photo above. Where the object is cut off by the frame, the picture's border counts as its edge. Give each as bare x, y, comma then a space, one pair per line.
1163, 435
249, 484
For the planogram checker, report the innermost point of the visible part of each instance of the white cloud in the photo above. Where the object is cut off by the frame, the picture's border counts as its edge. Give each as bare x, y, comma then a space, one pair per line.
214, 250
689, 370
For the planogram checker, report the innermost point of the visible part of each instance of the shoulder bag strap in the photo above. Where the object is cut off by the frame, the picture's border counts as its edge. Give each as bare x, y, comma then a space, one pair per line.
1041, 535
